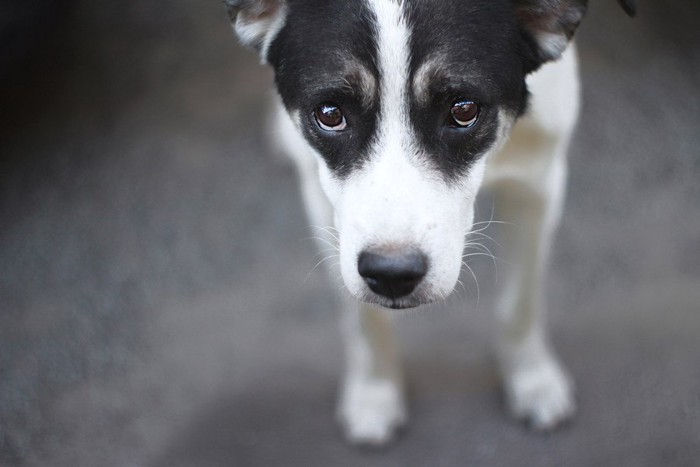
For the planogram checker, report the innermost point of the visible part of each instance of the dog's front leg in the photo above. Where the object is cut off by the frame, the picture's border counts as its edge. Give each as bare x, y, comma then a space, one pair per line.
371, 405
537, 387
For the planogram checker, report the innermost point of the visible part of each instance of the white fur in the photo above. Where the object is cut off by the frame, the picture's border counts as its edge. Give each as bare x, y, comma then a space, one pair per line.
397, 199
261, 28
553, 45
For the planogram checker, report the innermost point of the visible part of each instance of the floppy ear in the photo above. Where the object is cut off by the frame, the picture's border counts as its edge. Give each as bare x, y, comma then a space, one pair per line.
256, 21
549, 25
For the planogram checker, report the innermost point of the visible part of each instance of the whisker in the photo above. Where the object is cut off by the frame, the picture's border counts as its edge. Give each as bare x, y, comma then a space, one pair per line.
489, 222
328, 231
478, 253
488, 253
324, 240
325, 250
323, 260
478, 245
476, 282
464, 289
486, 237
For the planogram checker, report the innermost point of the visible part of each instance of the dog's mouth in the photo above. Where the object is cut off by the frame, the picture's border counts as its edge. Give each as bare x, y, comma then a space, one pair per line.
413, 300
401, 304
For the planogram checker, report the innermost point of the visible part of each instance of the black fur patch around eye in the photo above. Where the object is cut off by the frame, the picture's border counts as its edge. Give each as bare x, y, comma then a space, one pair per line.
475, 49
324, 54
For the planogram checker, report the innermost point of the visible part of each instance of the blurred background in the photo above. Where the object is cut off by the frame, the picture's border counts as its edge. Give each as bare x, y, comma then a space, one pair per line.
159, 304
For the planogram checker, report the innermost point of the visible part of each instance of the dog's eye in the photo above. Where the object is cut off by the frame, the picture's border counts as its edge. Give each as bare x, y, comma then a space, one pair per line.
330, 118
464, 113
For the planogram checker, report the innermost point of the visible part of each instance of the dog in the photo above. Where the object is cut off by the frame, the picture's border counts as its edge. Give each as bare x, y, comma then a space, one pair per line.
396, 113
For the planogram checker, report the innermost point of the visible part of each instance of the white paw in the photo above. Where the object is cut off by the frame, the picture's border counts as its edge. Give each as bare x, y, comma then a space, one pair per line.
371, 411
541, 394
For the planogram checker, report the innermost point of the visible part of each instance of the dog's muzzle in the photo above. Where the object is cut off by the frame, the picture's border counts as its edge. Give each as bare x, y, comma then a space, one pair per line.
392, 274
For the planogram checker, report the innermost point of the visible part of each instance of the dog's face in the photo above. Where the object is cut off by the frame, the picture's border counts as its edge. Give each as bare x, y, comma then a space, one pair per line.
402, 103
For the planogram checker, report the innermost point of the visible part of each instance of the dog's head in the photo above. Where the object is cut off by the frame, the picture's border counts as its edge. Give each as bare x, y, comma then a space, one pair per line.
402, 102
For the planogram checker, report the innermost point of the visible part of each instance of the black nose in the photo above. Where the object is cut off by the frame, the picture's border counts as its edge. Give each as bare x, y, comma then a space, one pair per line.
392, 275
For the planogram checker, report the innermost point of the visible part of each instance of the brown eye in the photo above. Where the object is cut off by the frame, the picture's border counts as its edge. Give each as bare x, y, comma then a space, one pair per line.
330, 118
464, 113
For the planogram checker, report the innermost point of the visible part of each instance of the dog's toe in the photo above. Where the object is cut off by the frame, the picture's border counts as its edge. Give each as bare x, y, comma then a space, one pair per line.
541, 395
371, 412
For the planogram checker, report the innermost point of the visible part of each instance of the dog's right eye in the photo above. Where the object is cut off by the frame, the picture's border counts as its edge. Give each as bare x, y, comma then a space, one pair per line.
330, 118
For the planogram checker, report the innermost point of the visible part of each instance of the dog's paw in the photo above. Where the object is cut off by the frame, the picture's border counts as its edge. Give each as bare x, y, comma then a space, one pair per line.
541, 394
371, 412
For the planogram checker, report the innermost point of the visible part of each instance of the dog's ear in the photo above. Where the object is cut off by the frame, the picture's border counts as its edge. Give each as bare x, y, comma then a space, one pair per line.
255, 21
549, 25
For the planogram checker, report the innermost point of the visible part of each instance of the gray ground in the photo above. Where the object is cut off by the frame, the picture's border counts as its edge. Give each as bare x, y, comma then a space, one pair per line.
156, 301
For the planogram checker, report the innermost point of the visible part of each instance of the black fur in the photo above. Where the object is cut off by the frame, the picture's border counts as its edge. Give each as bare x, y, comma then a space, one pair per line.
307, 56
482, 60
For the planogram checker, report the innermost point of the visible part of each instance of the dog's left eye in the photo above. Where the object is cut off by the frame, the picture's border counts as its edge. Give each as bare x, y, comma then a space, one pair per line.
330, 118
464, 113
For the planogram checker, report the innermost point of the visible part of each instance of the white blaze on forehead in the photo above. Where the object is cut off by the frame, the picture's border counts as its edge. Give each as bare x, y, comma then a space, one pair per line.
393, 51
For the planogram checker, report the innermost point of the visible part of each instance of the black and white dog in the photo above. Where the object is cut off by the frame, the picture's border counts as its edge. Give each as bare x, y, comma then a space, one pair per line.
396, 113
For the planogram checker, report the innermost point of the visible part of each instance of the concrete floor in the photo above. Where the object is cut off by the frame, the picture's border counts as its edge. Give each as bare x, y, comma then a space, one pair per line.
156, 302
